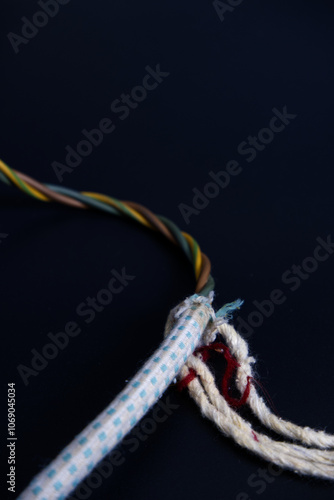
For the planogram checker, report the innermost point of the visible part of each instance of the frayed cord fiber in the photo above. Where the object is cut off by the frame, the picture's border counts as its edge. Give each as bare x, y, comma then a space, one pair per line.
310, 453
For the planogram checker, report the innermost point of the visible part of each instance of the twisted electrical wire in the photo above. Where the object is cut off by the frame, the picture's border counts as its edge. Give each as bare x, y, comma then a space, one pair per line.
132, 210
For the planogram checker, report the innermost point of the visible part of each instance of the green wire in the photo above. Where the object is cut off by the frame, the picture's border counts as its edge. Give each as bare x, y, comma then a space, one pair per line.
122, 210
4, 179
171, 226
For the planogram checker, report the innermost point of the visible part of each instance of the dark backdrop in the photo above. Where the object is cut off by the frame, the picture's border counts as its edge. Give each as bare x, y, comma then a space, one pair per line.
225, 77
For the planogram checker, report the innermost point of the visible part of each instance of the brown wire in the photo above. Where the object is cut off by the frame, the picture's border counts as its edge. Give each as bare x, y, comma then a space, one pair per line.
61, 198
145, 212
204, 274
160, 226
152, 219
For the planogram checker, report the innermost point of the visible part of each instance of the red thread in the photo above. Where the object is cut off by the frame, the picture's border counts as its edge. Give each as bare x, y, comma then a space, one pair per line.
235, 403
255, 437
267, 396
205, 350
186, 380
232, 364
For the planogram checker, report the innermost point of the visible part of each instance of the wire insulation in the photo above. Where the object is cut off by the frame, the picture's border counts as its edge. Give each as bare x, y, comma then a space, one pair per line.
132, 210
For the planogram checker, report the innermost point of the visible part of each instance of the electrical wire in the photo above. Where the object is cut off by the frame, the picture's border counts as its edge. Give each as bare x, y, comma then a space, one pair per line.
135, 211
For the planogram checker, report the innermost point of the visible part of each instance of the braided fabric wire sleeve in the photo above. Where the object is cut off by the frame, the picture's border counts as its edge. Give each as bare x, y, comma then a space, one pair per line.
81, 456
314, 455
65, 474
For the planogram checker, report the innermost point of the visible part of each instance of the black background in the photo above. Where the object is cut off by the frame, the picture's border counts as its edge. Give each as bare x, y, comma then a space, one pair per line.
225, 79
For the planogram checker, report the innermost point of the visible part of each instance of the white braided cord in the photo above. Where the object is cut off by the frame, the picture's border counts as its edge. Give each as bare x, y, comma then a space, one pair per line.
296, 457
80, 457
189, 325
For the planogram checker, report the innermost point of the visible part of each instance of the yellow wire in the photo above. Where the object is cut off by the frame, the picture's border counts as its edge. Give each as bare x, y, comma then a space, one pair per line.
7, 171
142, 220
36, 193
107, 199
198, 263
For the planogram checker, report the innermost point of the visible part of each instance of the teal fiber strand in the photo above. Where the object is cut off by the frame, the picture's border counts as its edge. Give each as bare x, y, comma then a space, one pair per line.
227, 310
